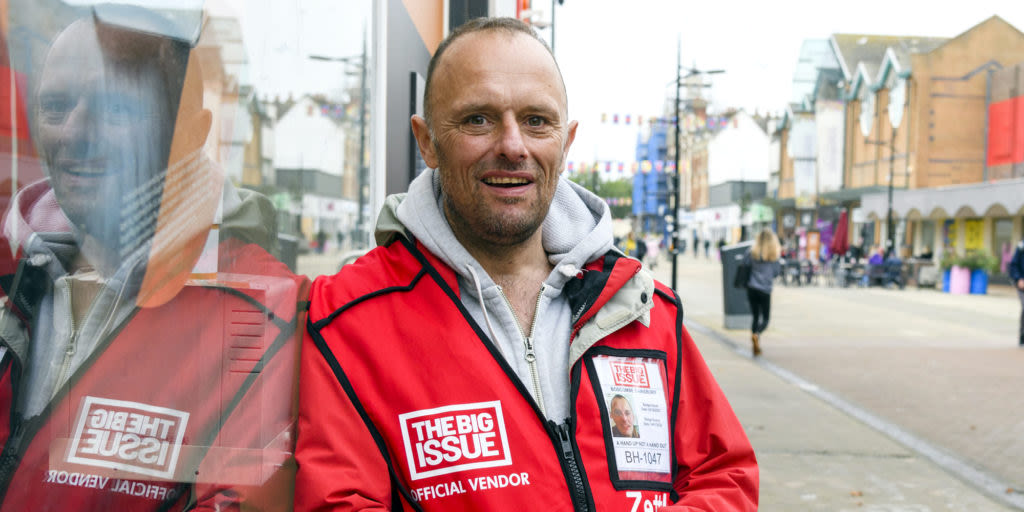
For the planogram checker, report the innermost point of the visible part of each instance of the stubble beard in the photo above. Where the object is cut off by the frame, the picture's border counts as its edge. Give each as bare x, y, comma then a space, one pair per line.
474, 223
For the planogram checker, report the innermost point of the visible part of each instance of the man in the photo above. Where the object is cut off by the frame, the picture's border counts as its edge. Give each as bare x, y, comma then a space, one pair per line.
622, 417
465, 363
147, 359
1016, 271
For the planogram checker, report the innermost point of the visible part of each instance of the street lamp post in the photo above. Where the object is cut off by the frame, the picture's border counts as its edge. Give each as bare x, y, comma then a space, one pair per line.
677, 207
362, 178
890, 231
679, 170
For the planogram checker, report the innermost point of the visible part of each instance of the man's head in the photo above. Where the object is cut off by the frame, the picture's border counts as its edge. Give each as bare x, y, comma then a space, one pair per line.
497, 130
106, 106
622, 415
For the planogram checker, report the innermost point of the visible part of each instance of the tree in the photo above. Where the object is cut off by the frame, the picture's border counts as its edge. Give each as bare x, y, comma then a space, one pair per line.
621, 189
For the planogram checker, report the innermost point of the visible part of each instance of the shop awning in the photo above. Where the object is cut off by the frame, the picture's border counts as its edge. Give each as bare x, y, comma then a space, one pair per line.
972, 200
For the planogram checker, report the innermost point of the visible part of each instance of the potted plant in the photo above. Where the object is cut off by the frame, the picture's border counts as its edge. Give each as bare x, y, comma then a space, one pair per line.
946, 264
980, 263
960, 275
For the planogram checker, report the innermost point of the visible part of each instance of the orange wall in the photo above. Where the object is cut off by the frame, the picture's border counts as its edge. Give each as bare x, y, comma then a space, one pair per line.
428, 16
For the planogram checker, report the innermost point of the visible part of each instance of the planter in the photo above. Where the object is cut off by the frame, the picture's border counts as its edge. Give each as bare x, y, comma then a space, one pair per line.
945, 280
979, 281
959, 280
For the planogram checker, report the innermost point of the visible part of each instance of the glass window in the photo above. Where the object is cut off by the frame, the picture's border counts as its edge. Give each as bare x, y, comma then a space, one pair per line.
175, 172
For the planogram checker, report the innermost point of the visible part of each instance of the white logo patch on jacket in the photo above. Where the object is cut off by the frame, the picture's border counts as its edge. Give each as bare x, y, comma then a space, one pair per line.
454, 438
128, 436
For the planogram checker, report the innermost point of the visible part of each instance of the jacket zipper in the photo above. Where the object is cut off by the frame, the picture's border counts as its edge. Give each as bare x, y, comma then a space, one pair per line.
69, 352
531, 355
577, 490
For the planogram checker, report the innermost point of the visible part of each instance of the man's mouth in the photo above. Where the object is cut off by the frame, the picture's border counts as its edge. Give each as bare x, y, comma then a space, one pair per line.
506, 182
84, 168
85, 172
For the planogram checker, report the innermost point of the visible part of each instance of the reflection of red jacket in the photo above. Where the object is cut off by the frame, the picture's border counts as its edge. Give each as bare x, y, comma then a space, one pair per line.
199, 390
406, 405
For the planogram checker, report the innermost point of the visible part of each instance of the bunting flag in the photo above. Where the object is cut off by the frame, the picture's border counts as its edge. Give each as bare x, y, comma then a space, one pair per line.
604, 118
645, 166
671, 166
622, 167
659, 165
570, 166
633, 167
628, 119
615, 119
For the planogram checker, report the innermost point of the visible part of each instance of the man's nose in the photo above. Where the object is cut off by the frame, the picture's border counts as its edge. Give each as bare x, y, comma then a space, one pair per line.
511, 145
78, 124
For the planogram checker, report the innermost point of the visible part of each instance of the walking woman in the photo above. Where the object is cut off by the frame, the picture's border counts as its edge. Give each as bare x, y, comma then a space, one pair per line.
764, 267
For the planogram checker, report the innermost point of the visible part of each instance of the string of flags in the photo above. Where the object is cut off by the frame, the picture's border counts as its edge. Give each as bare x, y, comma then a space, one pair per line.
617, 167
690, 122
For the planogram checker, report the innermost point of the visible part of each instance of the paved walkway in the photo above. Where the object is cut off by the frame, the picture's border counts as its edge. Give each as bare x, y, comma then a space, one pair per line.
873, 399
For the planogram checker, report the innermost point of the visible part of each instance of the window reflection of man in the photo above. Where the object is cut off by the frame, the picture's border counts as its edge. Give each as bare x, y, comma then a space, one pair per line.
104, 308
103, 122
622, 418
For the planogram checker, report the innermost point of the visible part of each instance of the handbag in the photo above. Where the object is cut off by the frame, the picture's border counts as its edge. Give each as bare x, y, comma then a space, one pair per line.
742, 277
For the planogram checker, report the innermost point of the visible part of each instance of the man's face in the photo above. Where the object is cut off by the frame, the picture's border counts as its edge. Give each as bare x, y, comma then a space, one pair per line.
500, 136
103, 130
622, 415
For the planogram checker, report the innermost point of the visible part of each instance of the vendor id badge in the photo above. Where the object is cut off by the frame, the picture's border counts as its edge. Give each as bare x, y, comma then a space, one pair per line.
637, 416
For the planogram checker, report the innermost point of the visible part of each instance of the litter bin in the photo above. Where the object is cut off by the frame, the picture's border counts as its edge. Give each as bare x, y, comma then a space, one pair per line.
734, 300
288, 246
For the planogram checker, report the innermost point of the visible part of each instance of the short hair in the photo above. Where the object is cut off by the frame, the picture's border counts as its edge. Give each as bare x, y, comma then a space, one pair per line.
135, 39
510, 26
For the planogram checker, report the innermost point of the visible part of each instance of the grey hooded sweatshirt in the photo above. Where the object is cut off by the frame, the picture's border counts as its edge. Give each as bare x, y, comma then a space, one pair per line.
576, 230
49, 241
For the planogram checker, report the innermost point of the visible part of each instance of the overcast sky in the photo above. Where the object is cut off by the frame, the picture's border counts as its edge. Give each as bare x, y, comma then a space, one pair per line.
619, 59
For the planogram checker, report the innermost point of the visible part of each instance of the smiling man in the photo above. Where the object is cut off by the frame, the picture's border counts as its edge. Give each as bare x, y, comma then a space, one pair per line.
466, 363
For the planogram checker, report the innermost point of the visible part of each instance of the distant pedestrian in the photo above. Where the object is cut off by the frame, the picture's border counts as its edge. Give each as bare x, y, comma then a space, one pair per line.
641, 249
321, 241
696, 246
707, 248
1016, 270
653, 245
629, 246
764, 267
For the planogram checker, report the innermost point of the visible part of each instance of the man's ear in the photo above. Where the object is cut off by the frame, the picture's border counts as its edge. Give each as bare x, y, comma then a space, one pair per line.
423, 140
570, 136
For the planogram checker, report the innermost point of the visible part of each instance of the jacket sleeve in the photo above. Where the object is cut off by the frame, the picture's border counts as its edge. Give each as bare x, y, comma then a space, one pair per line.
340, 467
717, 470
1016, 263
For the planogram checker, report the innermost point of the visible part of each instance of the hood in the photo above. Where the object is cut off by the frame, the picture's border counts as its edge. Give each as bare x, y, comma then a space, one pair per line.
577, 229
36, 224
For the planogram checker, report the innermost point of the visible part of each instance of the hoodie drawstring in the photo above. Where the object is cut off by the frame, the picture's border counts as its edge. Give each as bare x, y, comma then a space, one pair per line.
487, 318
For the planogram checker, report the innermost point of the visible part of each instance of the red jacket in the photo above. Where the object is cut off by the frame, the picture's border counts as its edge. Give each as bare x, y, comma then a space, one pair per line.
406, 405
188, 404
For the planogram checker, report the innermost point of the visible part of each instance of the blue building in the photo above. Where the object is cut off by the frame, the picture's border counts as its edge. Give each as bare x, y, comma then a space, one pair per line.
652, 183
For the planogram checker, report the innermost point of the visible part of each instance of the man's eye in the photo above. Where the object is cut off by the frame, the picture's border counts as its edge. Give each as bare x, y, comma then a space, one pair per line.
535, 121
476, 120
55, 108
120, 110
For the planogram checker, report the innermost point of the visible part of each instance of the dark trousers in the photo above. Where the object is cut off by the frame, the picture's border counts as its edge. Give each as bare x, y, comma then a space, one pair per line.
1020, 294
760, 308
